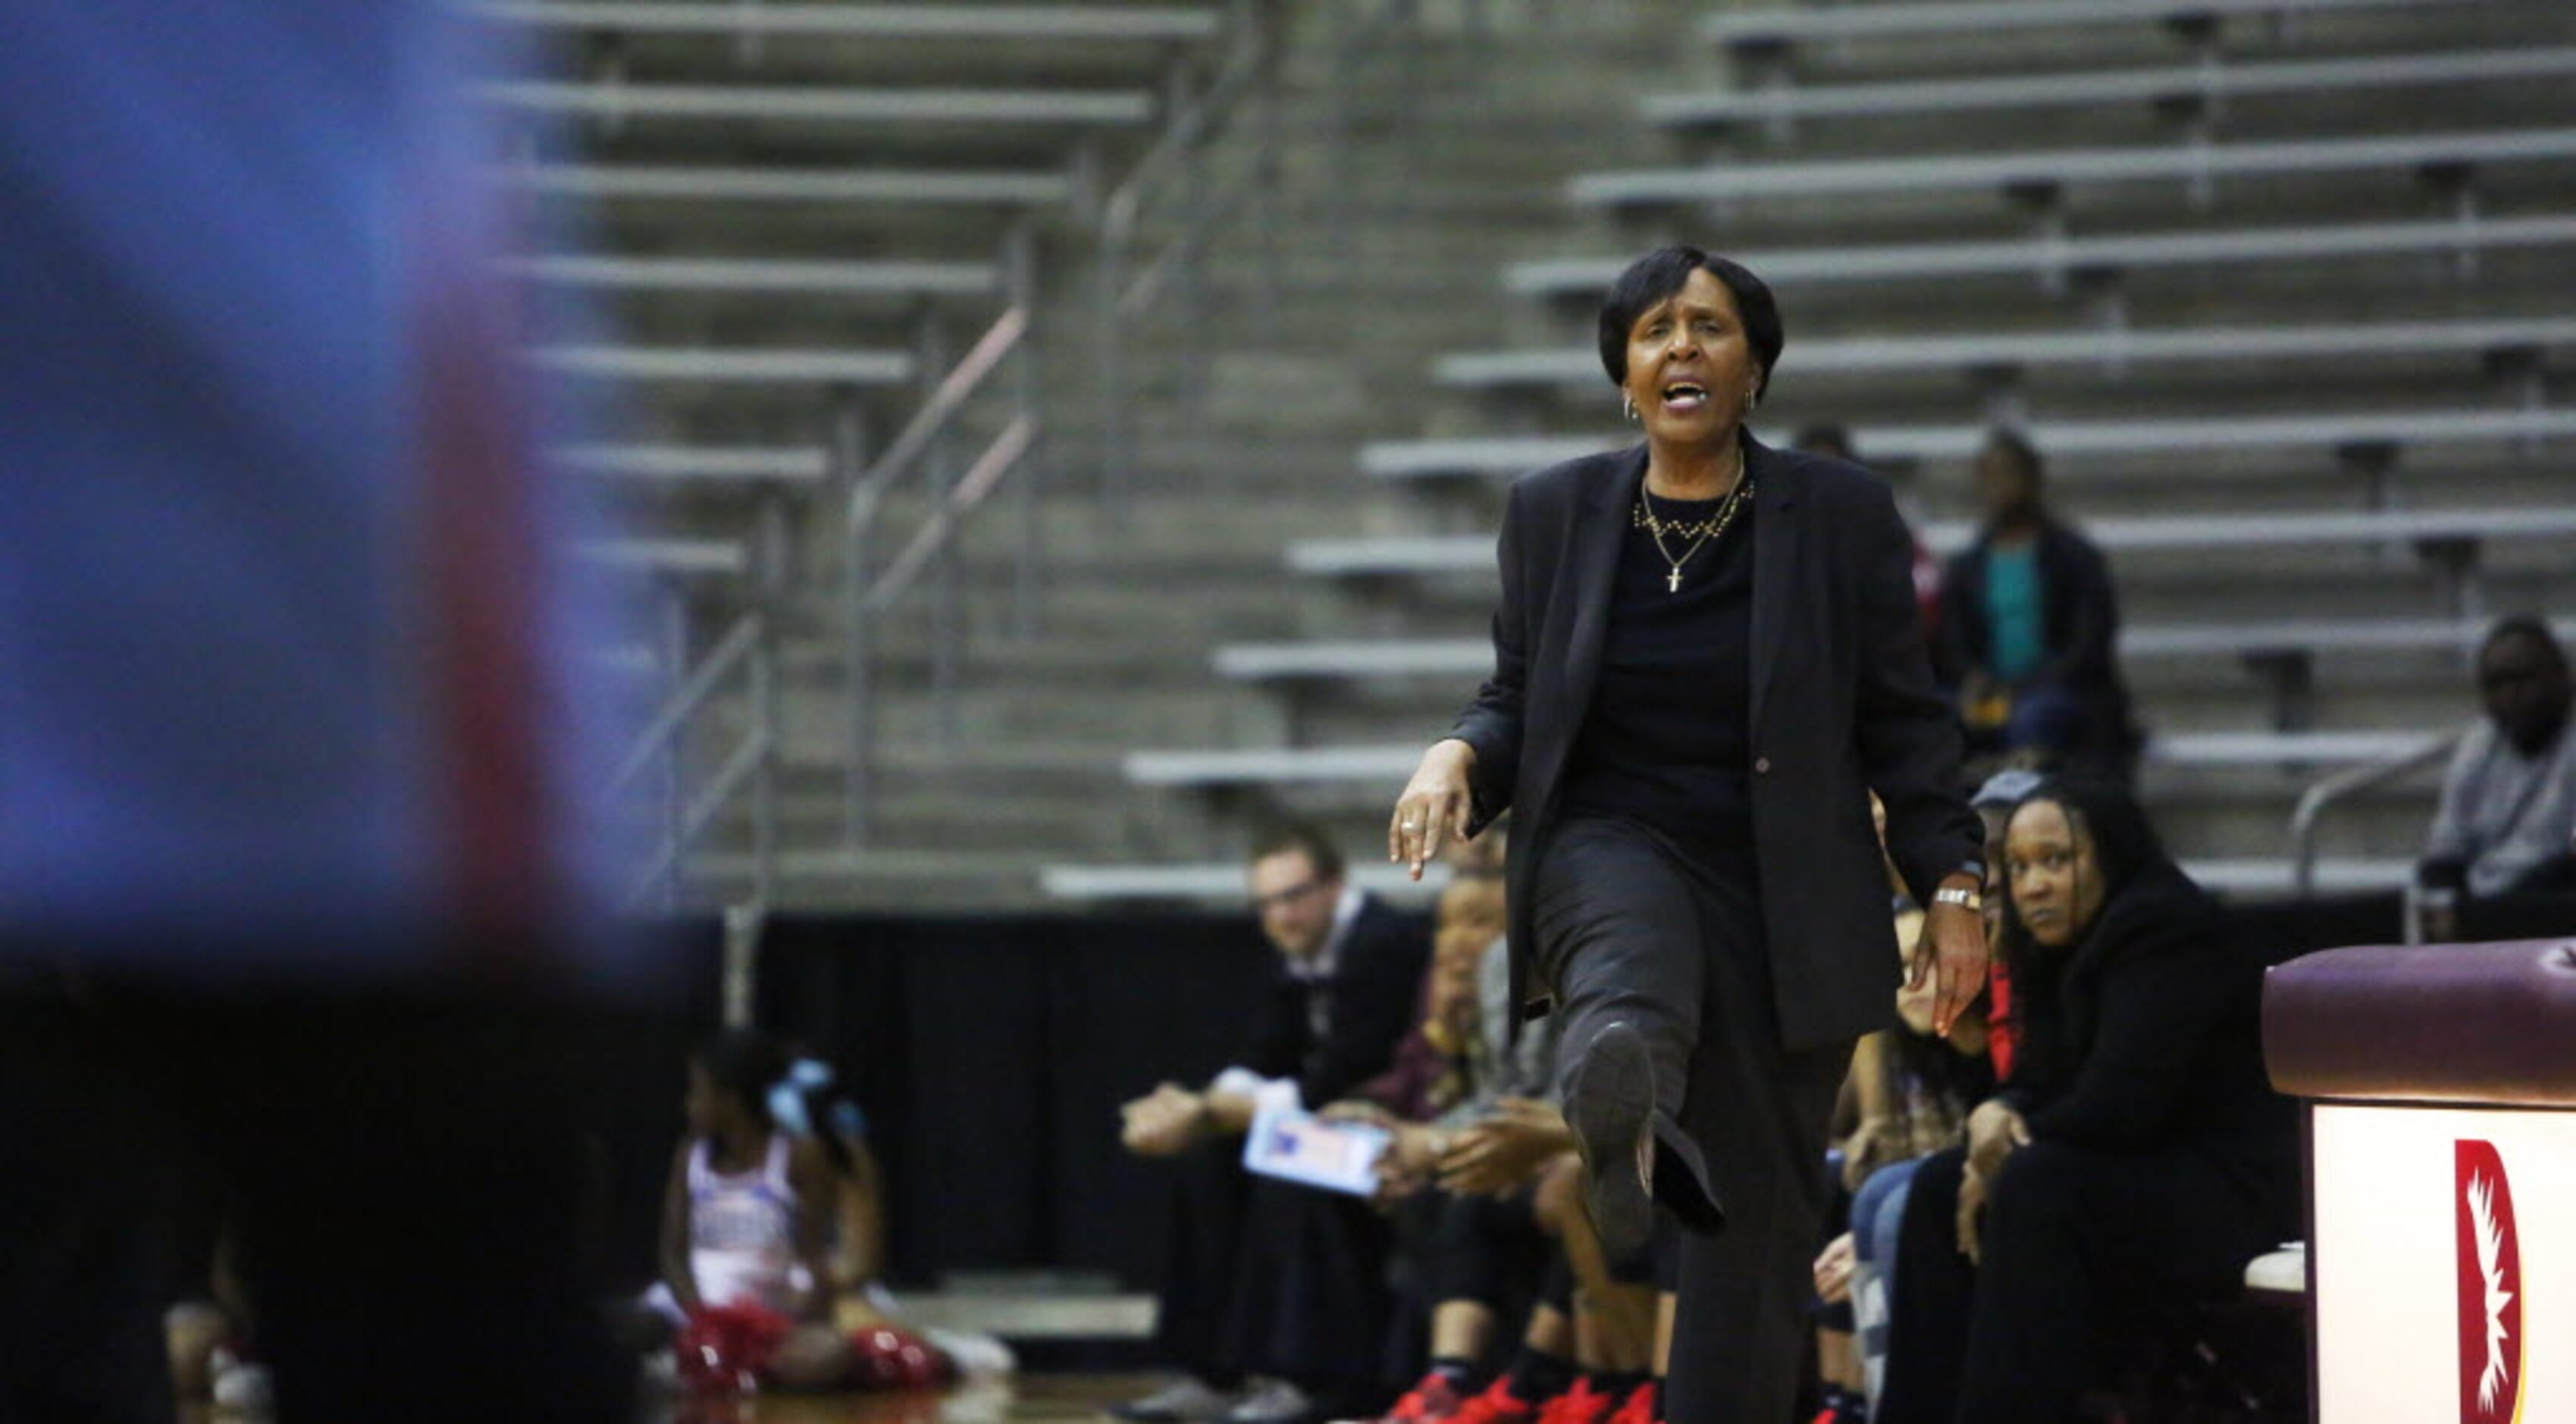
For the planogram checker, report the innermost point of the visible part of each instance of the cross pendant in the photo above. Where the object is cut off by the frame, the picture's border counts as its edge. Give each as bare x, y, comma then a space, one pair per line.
1673, 584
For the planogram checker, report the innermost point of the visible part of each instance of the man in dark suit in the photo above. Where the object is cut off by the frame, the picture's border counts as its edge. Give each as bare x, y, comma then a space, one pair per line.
1269, 1278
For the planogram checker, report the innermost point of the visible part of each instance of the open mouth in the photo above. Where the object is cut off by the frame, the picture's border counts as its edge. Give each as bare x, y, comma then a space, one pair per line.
1685, 395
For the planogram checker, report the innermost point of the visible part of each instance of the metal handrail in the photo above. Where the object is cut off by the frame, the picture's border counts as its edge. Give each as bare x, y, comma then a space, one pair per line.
2350, 781
1192, 124
1154, 277
749, 755
870, 483
932, 418
1121, 298
1007, 450
738, 643
747, 647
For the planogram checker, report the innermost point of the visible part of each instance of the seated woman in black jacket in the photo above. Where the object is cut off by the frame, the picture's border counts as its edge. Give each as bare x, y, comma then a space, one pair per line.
2134, 1162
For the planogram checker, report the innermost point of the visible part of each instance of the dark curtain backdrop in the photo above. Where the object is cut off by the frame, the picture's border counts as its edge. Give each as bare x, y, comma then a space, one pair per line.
991, 1054
632, 1066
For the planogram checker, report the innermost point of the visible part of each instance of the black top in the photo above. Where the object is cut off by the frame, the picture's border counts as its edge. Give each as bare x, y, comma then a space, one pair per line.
1368, 1008
1667, 739
2147, 1035
1842, 703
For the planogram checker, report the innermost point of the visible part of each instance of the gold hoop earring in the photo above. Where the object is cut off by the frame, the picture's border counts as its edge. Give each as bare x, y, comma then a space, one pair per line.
1628, 405
1752, 397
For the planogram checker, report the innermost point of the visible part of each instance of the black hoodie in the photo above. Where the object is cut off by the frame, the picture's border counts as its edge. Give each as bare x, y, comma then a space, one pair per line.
2146, 1035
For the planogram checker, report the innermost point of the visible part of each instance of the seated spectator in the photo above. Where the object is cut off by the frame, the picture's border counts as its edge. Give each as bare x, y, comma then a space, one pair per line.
1907, 1096
2028, 625
2136, 1161
1579, 1361
1993, 802
2508, 806
1267, 1278
1446, 1057
1483, 1197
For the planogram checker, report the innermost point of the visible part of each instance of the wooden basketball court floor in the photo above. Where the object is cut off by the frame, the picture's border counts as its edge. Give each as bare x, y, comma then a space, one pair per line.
1001, 1401
1008, 1400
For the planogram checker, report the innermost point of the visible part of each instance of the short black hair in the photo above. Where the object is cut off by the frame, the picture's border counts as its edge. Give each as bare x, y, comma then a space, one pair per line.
1659, 274
2012, 442
2524, 625
1281, 837
745, 1064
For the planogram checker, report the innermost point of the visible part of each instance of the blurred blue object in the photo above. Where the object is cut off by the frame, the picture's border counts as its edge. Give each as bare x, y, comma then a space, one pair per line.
288, 621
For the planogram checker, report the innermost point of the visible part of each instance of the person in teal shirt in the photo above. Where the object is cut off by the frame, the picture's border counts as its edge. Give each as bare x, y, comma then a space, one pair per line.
2029, 620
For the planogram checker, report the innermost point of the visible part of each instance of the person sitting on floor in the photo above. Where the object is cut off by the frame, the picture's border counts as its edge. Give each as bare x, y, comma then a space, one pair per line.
745, 1222
2138, 1157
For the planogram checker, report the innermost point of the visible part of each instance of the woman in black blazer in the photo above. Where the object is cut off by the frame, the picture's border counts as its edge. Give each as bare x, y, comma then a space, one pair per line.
1707, 654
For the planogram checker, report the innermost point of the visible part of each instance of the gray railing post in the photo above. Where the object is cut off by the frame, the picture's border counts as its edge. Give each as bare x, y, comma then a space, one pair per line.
772, 557
940, 471
1189, 114
858, 652
1020, 289
743, 925
1256, 20
671, 661
1112, 336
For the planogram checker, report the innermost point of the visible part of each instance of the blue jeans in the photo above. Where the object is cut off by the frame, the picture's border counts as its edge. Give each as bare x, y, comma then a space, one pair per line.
1878, 1208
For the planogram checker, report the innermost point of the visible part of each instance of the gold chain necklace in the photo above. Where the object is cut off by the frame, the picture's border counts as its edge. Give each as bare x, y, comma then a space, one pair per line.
1708, 529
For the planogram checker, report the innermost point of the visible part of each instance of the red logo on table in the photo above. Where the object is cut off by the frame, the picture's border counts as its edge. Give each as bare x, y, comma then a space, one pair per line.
2490, 1287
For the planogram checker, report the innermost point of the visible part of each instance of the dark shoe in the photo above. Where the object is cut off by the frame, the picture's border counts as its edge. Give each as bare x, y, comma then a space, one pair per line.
1609, 1104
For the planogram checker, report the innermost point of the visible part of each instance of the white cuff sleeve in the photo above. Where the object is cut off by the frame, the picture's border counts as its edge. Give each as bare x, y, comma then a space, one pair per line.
1267, 1094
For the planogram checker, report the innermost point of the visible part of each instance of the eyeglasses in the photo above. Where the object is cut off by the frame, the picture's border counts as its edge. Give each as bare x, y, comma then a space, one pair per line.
1264, 904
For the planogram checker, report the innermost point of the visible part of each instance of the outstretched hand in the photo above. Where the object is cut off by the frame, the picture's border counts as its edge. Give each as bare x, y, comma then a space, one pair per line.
1506, 1149
1435, 807
1950, 954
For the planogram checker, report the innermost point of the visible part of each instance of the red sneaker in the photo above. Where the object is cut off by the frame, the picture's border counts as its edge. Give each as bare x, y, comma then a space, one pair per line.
1497, 1405
1435, 1398
1580, 1405
1640, 1407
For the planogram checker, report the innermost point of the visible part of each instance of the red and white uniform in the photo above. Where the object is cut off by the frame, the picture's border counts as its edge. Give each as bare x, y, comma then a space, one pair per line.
742, 1230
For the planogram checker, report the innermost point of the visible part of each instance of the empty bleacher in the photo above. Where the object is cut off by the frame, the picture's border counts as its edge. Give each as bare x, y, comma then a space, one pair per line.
813, 242
2272, 283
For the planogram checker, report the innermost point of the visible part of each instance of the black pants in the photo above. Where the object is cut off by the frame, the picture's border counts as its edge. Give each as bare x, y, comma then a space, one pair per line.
1267, 1277
1635, 928
406, 1186
1487, 1249
2081, 1248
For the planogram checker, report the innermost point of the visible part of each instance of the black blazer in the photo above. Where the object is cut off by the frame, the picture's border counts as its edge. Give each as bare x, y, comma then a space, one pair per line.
1843, 702
1368, 1006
